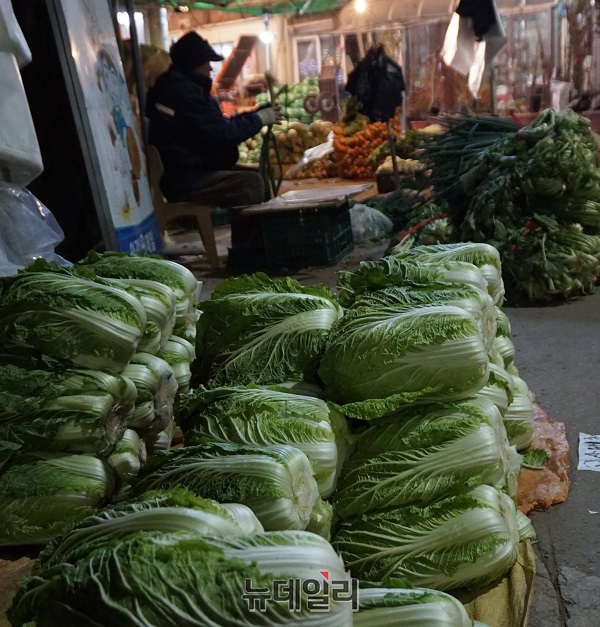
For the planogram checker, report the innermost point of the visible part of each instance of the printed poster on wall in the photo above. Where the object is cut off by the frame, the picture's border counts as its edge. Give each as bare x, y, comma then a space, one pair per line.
106, 123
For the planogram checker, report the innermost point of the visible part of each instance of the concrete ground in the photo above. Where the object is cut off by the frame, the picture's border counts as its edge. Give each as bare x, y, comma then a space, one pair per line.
558, 355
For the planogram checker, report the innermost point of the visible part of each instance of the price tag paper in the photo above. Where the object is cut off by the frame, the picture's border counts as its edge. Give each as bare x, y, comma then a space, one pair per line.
589, 452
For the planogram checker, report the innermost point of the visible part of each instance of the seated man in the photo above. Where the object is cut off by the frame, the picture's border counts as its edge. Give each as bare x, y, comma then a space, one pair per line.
198, 146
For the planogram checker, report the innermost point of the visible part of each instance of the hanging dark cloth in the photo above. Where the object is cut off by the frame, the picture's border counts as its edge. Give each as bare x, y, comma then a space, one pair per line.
377, 82
481, 12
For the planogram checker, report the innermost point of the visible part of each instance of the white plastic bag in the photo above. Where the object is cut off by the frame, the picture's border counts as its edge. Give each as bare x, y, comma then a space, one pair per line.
28, 230
369, 224
20, 157
310, 155
11, 35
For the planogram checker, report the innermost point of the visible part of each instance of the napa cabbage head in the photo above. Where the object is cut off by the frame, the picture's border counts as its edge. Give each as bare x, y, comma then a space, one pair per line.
322, 519
503, 324
463, 541
258, 330
506, 350
117, 265
276, 482
424, 607
161, 441
519, 417
160, 510
159, 302
41, 493
45, 406
472, 299
499, 389
125, 461
88, 324
424, 453
386, 272
156, 387
381, 358
263, 417
480, 254
155, 578
179, 353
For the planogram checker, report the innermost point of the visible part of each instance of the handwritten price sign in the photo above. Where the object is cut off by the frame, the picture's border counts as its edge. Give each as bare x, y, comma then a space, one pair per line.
589, 452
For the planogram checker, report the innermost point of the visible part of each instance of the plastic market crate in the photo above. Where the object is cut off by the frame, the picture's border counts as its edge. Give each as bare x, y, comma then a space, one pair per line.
297, 237
286, 236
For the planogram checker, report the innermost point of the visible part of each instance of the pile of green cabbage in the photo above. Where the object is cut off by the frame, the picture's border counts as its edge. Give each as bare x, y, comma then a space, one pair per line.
91, 368
387, 418
424, 358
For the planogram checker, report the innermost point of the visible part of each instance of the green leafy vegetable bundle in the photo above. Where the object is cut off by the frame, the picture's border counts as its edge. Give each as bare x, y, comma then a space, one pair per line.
534, 194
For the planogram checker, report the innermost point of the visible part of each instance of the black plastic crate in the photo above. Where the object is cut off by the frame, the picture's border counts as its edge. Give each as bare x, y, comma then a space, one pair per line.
307, 236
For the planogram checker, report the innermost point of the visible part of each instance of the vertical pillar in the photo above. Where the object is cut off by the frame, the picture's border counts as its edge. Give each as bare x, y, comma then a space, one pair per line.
158, 27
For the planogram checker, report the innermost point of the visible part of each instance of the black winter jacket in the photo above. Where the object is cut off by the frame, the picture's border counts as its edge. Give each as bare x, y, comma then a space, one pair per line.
191, 134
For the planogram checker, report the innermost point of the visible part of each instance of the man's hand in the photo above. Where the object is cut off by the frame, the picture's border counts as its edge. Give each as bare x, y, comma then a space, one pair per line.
270, 114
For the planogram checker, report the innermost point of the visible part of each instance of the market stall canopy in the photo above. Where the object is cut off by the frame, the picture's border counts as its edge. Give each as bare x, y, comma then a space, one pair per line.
255, 7
410, 11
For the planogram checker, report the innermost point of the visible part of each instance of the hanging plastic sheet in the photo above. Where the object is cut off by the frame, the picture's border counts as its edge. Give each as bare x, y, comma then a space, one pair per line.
473, 39
20, 157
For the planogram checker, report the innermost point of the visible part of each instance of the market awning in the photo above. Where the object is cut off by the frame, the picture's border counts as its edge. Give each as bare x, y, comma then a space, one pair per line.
254, 7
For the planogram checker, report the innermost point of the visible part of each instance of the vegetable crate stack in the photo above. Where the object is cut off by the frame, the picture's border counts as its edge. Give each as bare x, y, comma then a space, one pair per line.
358, 451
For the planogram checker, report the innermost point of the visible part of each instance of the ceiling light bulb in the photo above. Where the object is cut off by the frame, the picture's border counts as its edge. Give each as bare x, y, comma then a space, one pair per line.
360, 6
266, 36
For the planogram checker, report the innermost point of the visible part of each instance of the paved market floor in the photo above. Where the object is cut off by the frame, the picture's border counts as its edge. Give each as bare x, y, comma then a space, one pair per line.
558, 355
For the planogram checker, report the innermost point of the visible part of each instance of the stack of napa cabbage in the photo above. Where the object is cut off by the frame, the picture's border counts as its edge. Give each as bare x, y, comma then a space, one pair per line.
423, 357
389, 419
86, 383
254, 433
